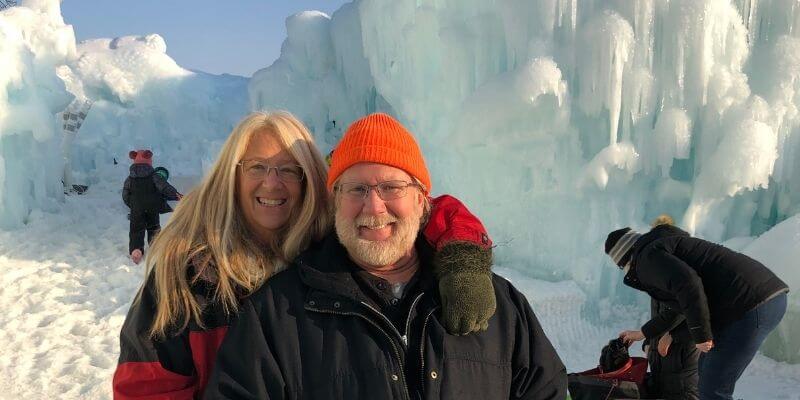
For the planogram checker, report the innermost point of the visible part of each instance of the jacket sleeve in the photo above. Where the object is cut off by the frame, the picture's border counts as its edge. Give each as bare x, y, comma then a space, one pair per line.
168, 191
661, 323
537, 371
126, 192
450, 221
462, 264
246, 367
151, 369
670, 274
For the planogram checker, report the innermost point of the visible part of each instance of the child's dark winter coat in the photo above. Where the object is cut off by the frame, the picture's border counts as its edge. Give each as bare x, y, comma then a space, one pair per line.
145, 193
674, 376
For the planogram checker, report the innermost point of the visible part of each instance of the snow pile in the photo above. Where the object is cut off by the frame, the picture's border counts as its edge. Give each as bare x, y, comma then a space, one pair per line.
33, 41
142, 99
65, 288
779, 249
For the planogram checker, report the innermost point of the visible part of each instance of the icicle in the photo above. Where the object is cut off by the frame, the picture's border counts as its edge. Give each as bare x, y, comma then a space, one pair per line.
574, 15
609, 40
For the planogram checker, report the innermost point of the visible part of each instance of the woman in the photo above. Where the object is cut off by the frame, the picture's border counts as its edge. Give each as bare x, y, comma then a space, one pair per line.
671, 352
730, 301
236, 229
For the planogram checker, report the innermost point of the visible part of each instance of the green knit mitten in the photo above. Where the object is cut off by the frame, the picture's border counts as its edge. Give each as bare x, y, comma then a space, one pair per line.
465, 285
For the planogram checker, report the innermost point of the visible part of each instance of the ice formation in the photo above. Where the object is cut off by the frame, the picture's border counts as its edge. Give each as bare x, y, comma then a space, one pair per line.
33, 41
560, 120
140, 98
132, 94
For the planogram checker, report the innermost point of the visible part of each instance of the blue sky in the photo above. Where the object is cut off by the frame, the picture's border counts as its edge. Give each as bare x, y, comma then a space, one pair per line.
224, 36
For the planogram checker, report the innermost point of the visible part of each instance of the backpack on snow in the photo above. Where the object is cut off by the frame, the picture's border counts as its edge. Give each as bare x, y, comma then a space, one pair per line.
583, 387
623, 381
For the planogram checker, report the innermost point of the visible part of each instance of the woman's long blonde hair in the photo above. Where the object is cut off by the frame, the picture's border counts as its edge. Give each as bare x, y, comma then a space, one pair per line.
207, 237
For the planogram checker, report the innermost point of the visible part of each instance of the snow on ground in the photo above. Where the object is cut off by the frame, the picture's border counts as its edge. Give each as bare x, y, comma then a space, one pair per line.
66, 285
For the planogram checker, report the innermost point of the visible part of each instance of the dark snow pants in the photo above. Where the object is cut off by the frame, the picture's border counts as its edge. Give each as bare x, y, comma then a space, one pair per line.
141, 223
734, 348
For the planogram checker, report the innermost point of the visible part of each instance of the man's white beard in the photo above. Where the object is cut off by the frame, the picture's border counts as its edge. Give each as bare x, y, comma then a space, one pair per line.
378, 253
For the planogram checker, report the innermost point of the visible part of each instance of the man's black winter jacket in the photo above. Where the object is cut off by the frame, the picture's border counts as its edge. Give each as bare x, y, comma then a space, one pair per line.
311, 333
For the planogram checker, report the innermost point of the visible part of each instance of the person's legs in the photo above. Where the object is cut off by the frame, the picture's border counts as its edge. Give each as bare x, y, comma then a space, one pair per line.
153, 226
734, 348
689, 362
136, 233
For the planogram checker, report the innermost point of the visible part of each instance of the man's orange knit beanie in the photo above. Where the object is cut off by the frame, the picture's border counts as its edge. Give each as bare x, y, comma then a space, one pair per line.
379, 138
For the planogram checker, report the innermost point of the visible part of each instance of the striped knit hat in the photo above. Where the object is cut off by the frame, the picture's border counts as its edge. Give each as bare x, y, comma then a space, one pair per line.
619, 244
379, 138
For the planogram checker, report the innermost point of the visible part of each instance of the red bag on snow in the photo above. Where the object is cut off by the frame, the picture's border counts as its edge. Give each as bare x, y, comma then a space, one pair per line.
624, 383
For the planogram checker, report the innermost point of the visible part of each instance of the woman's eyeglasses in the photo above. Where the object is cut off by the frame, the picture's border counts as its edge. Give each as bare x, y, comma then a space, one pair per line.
257, 169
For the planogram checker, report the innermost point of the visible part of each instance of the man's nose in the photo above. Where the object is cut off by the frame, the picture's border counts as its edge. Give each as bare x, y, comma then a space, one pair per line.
373, 204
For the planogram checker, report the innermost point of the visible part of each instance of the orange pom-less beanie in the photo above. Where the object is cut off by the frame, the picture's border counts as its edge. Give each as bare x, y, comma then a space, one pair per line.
379, 138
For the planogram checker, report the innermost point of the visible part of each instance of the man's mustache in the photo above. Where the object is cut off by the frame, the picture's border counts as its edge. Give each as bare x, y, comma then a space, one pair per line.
371, 221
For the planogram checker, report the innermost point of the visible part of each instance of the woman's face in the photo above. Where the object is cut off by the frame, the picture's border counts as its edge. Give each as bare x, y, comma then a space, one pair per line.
266, 201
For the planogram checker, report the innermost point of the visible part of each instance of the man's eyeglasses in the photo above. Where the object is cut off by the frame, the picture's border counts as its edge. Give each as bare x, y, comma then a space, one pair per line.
388, 190
257, 169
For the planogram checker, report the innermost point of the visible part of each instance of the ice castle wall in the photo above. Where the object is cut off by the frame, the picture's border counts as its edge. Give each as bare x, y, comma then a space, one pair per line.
33, 41
558, 121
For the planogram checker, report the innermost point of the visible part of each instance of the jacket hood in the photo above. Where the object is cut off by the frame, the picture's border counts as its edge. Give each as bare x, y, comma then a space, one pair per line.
659, 232
141, 170
656, 233
326, 266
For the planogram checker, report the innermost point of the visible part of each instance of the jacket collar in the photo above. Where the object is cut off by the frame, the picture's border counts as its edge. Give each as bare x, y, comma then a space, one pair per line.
141, 170
326, 266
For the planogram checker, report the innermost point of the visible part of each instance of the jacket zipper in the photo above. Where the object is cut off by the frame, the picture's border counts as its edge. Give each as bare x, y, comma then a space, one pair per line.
385, 318
408, 319
404, 337
394, 346
422, 349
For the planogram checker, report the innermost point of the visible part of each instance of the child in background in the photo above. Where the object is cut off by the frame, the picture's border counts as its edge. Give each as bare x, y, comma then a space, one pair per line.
145, 192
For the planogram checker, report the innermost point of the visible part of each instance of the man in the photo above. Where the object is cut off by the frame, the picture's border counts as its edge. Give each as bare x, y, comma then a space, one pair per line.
359, 315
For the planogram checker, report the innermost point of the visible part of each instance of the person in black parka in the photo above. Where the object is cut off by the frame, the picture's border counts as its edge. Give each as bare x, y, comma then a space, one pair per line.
729, 301
145, 192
